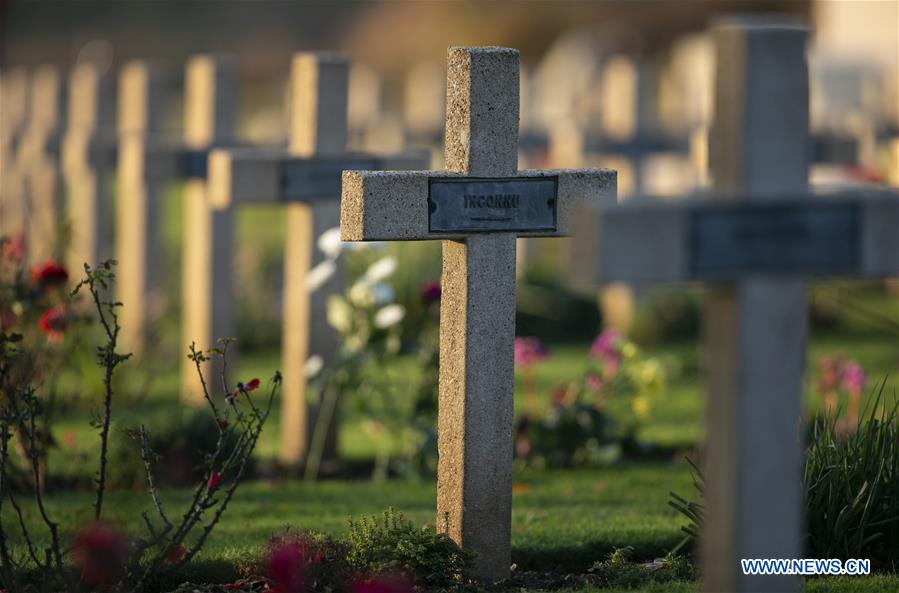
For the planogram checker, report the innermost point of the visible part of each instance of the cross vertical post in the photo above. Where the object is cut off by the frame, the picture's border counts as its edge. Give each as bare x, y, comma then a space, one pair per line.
139, 182
208, 235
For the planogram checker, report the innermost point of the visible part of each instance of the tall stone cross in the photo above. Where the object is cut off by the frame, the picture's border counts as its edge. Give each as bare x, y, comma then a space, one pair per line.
754, 244
39, 160
478, 207
306, 180
88, 155
147, 161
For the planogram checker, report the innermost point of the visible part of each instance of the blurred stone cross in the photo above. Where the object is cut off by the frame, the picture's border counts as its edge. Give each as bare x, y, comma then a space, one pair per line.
478, 206
754, 243
13, 118
148, 160
88, 156
306, 180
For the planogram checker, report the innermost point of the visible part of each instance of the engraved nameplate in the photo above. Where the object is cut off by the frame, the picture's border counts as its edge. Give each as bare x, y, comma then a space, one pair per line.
318, 177
517, 204
814, 239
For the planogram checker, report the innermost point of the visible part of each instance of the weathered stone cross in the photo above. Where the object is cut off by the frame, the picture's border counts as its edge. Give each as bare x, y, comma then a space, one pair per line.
479, 205
754, 245
306, 179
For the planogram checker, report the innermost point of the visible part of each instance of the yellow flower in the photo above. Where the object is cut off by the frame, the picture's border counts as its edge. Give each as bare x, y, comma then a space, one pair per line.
339, 313
640, 406
651, 376
628, 350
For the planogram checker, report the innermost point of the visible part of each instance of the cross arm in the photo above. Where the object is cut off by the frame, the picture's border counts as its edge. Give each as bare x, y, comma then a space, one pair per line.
844, 234
238, 176
396, 205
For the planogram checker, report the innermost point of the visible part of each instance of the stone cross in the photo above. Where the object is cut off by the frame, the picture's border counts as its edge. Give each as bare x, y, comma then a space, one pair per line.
754, 244
39, 154
306, 180
478, 207
13, 116
88, 153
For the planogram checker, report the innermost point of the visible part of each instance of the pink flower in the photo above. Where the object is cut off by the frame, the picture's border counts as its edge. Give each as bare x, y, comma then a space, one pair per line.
14, 248
53, 323
529, 351
99, 551
853, 378
383, 584
430, 292
292, 560
605, 346
214, 480
594, 382
49, 274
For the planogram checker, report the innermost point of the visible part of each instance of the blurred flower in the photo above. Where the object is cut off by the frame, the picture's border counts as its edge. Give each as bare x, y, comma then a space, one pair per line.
14, 248
175, 553
100, 551
640, 406
381, 269
628, 350
320, 274
389, 316
853, 380
53, 323
7, 318
289, 562
49, 274
251, 385
329, 242
430, 292
594, 381
339, 313
605, 346
529, 351
223, 424
361, 294
214, 480
313, 366
383, 584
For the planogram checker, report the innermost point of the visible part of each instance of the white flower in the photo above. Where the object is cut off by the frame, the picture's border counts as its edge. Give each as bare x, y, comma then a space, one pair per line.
361, 294
320, 274
381, 269
313, 366
339, 313
389, 315
329, 243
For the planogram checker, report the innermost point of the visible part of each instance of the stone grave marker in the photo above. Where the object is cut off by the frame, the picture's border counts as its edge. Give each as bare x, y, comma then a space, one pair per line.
478, 207
306, 180
13, 116
88, 155
39, 162
753, 244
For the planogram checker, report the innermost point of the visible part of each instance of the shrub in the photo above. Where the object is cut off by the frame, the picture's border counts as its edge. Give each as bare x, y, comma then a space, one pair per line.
390, 544
620, 571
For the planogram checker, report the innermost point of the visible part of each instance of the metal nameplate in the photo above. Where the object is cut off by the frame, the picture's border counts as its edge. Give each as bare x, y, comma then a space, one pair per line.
516, 204
319, 178
813, 239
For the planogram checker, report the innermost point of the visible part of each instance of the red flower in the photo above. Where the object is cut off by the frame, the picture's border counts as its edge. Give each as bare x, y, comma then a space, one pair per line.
175, 553
53, 323
49, 274
100, 551
430, 292
251, 385
214, 480
383, 584
223, 424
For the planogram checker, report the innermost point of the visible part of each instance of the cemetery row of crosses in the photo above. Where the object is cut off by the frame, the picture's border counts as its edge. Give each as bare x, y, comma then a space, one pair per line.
753, 239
